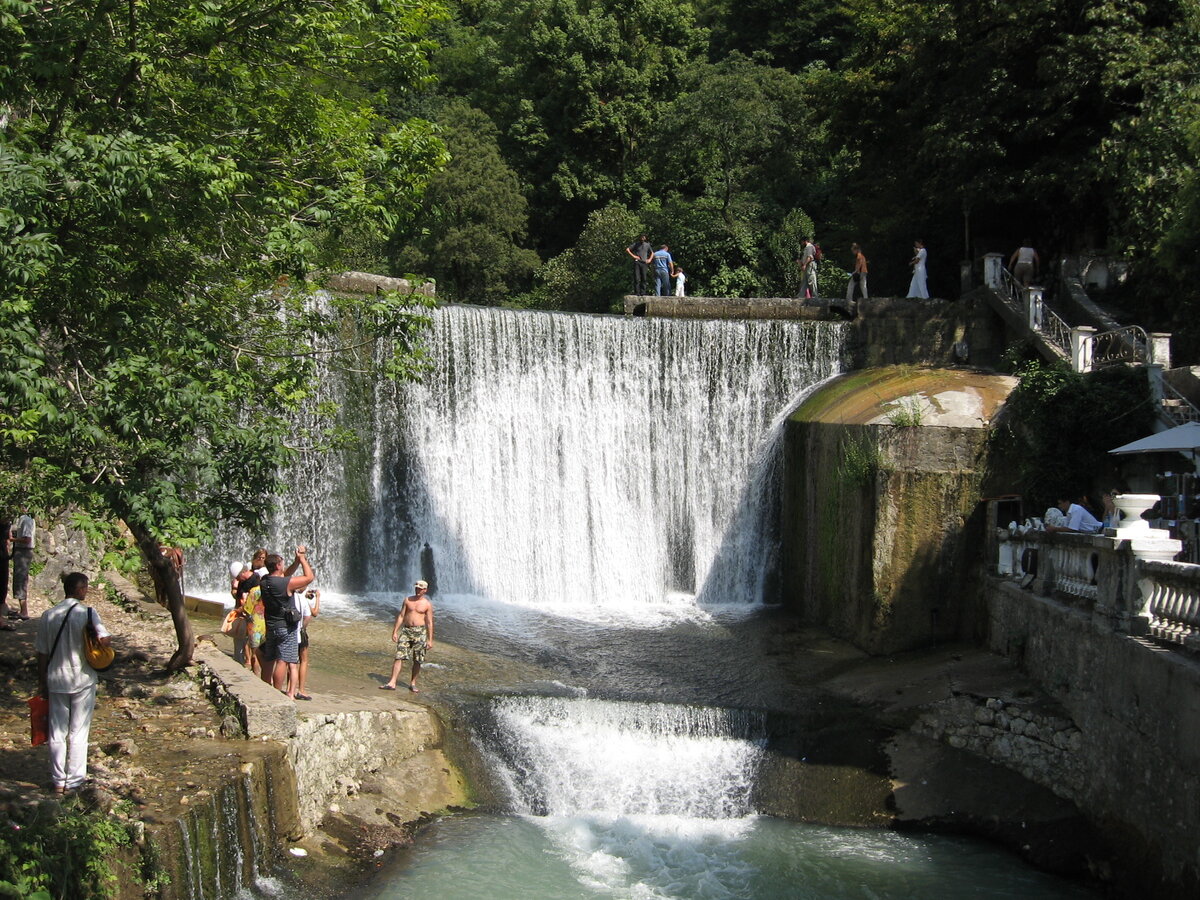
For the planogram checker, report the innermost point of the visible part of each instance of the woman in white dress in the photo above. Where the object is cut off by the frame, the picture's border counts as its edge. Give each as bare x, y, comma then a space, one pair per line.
917, 287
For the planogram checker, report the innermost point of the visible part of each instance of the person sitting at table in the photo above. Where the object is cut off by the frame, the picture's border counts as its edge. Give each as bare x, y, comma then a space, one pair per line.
1079, 520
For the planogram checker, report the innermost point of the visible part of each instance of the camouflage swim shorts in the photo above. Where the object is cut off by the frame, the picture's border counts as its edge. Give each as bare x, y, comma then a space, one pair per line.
412, 643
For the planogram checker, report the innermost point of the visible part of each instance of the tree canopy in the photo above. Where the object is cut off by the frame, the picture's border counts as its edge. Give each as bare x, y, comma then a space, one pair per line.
170, 173
974, 125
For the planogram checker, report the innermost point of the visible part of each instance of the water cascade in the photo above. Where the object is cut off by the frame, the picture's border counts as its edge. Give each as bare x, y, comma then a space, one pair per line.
561, 461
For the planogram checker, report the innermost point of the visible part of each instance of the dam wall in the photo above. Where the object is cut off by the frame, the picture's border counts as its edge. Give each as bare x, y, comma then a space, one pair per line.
879, 521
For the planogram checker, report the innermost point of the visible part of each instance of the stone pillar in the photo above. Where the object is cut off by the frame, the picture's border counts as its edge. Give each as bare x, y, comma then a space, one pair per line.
993, 265
1154, 375
1160, 348
1081, 347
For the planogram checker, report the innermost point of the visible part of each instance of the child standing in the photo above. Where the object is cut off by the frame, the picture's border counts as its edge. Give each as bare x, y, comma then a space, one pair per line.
680, 279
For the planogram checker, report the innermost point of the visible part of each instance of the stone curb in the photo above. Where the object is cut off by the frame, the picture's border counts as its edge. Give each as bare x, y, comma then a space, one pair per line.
264, 711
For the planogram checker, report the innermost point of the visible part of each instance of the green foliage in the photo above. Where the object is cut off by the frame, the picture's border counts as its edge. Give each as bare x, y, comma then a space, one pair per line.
576, 88
472, 225
594, 274
1059, 425
109, 544
860, 462
68, 853
907, 413
162, 172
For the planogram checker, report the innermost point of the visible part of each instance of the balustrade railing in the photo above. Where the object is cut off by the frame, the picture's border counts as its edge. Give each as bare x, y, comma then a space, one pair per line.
1111, 577
1172, 601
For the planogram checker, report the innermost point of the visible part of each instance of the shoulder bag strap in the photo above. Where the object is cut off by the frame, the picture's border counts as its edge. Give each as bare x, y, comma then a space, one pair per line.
66, 619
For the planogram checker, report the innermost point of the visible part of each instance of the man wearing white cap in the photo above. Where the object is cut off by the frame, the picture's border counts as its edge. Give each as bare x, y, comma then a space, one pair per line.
413, 634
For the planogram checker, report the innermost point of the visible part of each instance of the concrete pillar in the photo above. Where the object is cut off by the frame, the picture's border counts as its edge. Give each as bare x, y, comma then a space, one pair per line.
1154, 375
1082, 337
993, 264
1160, 348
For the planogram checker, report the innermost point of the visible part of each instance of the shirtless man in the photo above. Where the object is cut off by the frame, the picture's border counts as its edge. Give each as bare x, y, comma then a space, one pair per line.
413, 634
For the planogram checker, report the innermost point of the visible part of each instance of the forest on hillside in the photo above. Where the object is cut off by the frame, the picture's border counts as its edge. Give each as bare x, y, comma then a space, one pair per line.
730, 129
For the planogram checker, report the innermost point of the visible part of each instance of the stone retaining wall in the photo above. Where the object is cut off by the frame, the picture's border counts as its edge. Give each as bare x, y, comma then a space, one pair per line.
1134, 766
331, 754
1042, 746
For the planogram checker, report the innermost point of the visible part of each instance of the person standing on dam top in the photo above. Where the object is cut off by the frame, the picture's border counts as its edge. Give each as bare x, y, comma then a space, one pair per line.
413, 635
641, 252
808, 270
662, 271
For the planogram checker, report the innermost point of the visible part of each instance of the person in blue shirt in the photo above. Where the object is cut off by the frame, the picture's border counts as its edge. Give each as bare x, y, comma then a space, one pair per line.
662, 271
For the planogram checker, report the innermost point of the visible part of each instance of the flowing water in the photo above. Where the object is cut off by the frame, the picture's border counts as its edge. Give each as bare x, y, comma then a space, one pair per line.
583, 491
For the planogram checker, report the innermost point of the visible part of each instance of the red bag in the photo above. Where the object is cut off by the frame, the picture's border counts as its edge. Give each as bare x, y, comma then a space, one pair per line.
39, 719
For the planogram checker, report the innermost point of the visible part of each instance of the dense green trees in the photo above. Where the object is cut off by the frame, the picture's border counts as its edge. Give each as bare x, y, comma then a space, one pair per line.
471, 233
162, 165
970, 124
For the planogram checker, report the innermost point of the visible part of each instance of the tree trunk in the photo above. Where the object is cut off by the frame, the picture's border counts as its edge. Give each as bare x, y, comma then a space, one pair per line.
167, 584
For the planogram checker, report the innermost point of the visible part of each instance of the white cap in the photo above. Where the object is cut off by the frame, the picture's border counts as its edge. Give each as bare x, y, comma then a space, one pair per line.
236, 569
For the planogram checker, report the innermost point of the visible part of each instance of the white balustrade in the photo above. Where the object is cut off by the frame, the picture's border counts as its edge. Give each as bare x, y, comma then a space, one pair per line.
1127, 577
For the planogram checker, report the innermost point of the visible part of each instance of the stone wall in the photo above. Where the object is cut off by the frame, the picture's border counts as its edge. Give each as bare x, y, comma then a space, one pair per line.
880, 504
332, 754
1134, 766
1041, 745
891, 331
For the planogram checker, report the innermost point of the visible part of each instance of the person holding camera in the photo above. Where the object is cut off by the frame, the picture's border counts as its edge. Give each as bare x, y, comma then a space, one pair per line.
283, 619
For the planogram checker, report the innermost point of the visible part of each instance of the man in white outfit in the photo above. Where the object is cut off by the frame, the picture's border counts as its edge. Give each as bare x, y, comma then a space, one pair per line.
66, 679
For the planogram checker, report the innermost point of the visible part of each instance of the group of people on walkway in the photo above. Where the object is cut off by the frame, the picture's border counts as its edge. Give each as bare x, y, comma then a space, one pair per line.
663, 265
811, 259
269, 621
657, 268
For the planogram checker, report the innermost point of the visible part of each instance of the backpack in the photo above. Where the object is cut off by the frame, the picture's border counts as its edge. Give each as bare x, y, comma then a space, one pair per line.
817, 254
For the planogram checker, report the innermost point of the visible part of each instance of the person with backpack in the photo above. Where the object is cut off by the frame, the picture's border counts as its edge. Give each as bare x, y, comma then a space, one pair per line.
283, 619
67, 681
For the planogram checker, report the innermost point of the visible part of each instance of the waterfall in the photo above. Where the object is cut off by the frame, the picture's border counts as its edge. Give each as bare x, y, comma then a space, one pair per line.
587, 462
638, 799
571, 463
565, 757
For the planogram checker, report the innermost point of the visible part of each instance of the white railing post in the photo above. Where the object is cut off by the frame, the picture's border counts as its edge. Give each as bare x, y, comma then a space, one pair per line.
1082, 348
993, 265
1033, 308
1160, 348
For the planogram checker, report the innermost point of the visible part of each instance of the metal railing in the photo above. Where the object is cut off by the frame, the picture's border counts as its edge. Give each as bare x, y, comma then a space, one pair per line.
1177, 407
1128, 346
1041, 318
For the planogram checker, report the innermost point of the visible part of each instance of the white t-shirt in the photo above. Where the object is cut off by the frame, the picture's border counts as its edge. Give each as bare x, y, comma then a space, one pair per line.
67, 671
304, 606
24, 528
1079, 519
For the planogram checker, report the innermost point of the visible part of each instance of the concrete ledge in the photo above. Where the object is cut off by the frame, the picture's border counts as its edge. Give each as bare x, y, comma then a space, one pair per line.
206, 607
736, 308
264, 711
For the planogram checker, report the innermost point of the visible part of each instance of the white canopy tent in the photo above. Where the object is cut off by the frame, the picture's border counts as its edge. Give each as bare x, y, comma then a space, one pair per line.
1182, 438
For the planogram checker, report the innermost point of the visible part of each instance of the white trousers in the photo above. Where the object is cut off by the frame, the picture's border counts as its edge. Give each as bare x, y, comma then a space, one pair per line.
70, 722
